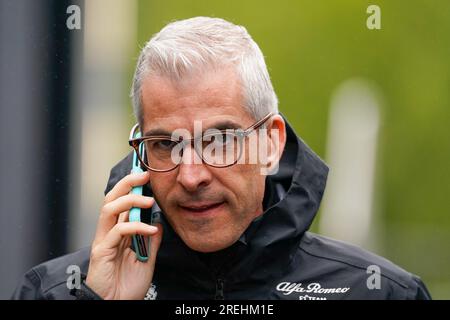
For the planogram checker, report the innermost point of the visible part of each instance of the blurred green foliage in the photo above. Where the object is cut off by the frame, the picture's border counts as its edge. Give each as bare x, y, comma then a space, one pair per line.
313, 46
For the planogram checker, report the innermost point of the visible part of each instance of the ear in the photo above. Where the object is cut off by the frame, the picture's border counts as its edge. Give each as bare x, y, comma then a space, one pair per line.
276, 135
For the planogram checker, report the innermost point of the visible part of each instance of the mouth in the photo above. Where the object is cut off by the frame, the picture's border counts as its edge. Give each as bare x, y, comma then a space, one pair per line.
202, 209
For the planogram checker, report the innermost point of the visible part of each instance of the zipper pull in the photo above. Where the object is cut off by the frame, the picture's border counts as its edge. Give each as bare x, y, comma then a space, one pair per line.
219, 289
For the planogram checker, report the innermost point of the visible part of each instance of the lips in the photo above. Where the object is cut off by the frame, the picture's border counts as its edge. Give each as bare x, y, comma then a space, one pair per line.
202, 208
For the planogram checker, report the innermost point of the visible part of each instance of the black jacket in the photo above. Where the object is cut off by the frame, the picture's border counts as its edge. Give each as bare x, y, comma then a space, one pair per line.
275, 258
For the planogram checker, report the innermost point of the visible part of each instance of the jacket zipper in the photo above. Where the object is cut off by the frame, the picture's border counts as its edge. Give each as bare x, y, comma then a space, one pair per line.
219, 289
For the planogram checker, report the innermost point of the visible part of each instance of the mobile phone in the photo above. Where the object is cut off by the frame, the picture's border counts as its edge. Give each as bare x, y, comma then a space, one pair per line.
140, 244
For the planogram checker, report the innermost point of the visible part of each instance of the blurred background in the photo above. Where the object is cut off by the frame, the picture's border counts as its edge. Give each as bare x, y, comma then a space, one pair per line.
374, 103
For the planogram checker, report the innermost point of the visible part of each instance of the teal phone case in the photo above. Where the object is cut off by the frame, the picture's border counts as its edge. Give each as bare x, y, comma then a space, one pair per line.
141, 244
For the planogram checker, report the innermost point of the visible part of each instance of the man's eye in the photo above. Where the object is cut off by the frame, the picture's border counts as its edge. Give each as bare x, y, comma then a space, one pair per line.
165, 144
222, 139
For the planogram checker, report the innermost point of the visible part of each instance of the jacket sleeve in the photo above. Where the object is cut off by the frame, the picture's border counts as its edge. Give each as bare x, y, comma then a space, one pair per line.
84, 292
29, 287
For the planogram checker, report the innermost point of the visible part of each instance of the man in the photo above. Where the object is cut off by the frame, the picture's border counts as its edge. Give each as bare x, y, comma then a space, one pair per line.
230, 228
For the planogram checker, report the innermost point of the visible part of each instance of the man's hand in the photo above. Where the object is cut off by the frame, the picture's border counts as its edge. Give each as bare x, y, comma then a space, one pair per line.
114, 271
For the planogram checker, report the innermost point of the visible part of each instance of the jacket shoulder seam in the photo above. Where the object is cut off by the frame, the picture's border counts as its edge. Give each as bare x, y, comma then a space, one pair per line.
403, 285
35, 278
53, 286
44, 289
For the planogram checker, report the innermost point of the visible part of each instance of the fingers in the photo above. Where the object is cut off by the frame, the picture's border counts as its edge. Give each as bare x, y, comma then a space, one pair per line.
155, 243
123, 217
126, 229
110, 212
125, 185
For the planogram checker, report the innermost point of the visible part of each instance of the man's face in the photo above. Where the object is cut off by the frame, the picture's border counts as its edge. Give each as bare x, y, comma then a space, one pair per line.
208, 207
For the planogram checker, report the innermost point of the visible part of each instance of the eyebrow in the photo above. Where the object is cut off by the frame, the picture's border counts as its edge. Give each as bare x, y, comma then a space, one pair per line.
157, 132
220, 125
225, 124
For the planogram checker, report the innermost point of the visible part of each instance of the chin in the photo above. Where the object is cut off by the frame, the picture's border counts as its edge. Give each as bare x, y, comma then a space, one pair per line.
208, 247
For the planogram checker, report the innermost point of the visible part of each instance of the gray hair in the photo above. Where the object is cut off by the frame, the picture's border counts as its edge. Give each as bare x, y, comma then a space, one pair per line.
185, 46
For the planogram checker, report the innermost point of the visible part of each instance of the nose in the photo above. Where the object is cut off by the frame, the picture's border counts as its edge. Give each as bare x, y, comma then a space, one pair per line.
192, 172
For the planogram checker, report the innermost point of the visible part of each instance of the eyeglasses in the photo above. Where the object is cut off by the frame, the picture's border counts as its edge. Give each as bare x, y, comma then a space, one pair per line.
216, 148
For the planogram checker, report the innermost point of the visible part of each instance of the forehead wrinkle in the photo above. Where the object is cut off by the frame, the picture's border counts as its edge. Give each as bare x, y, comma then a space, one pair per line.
220, 123
212, 95
219, 87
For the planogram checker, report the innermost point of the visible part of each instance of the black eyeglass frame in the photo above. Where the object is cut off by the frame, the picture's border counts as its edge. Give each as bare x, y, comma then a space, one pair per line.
239, 133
